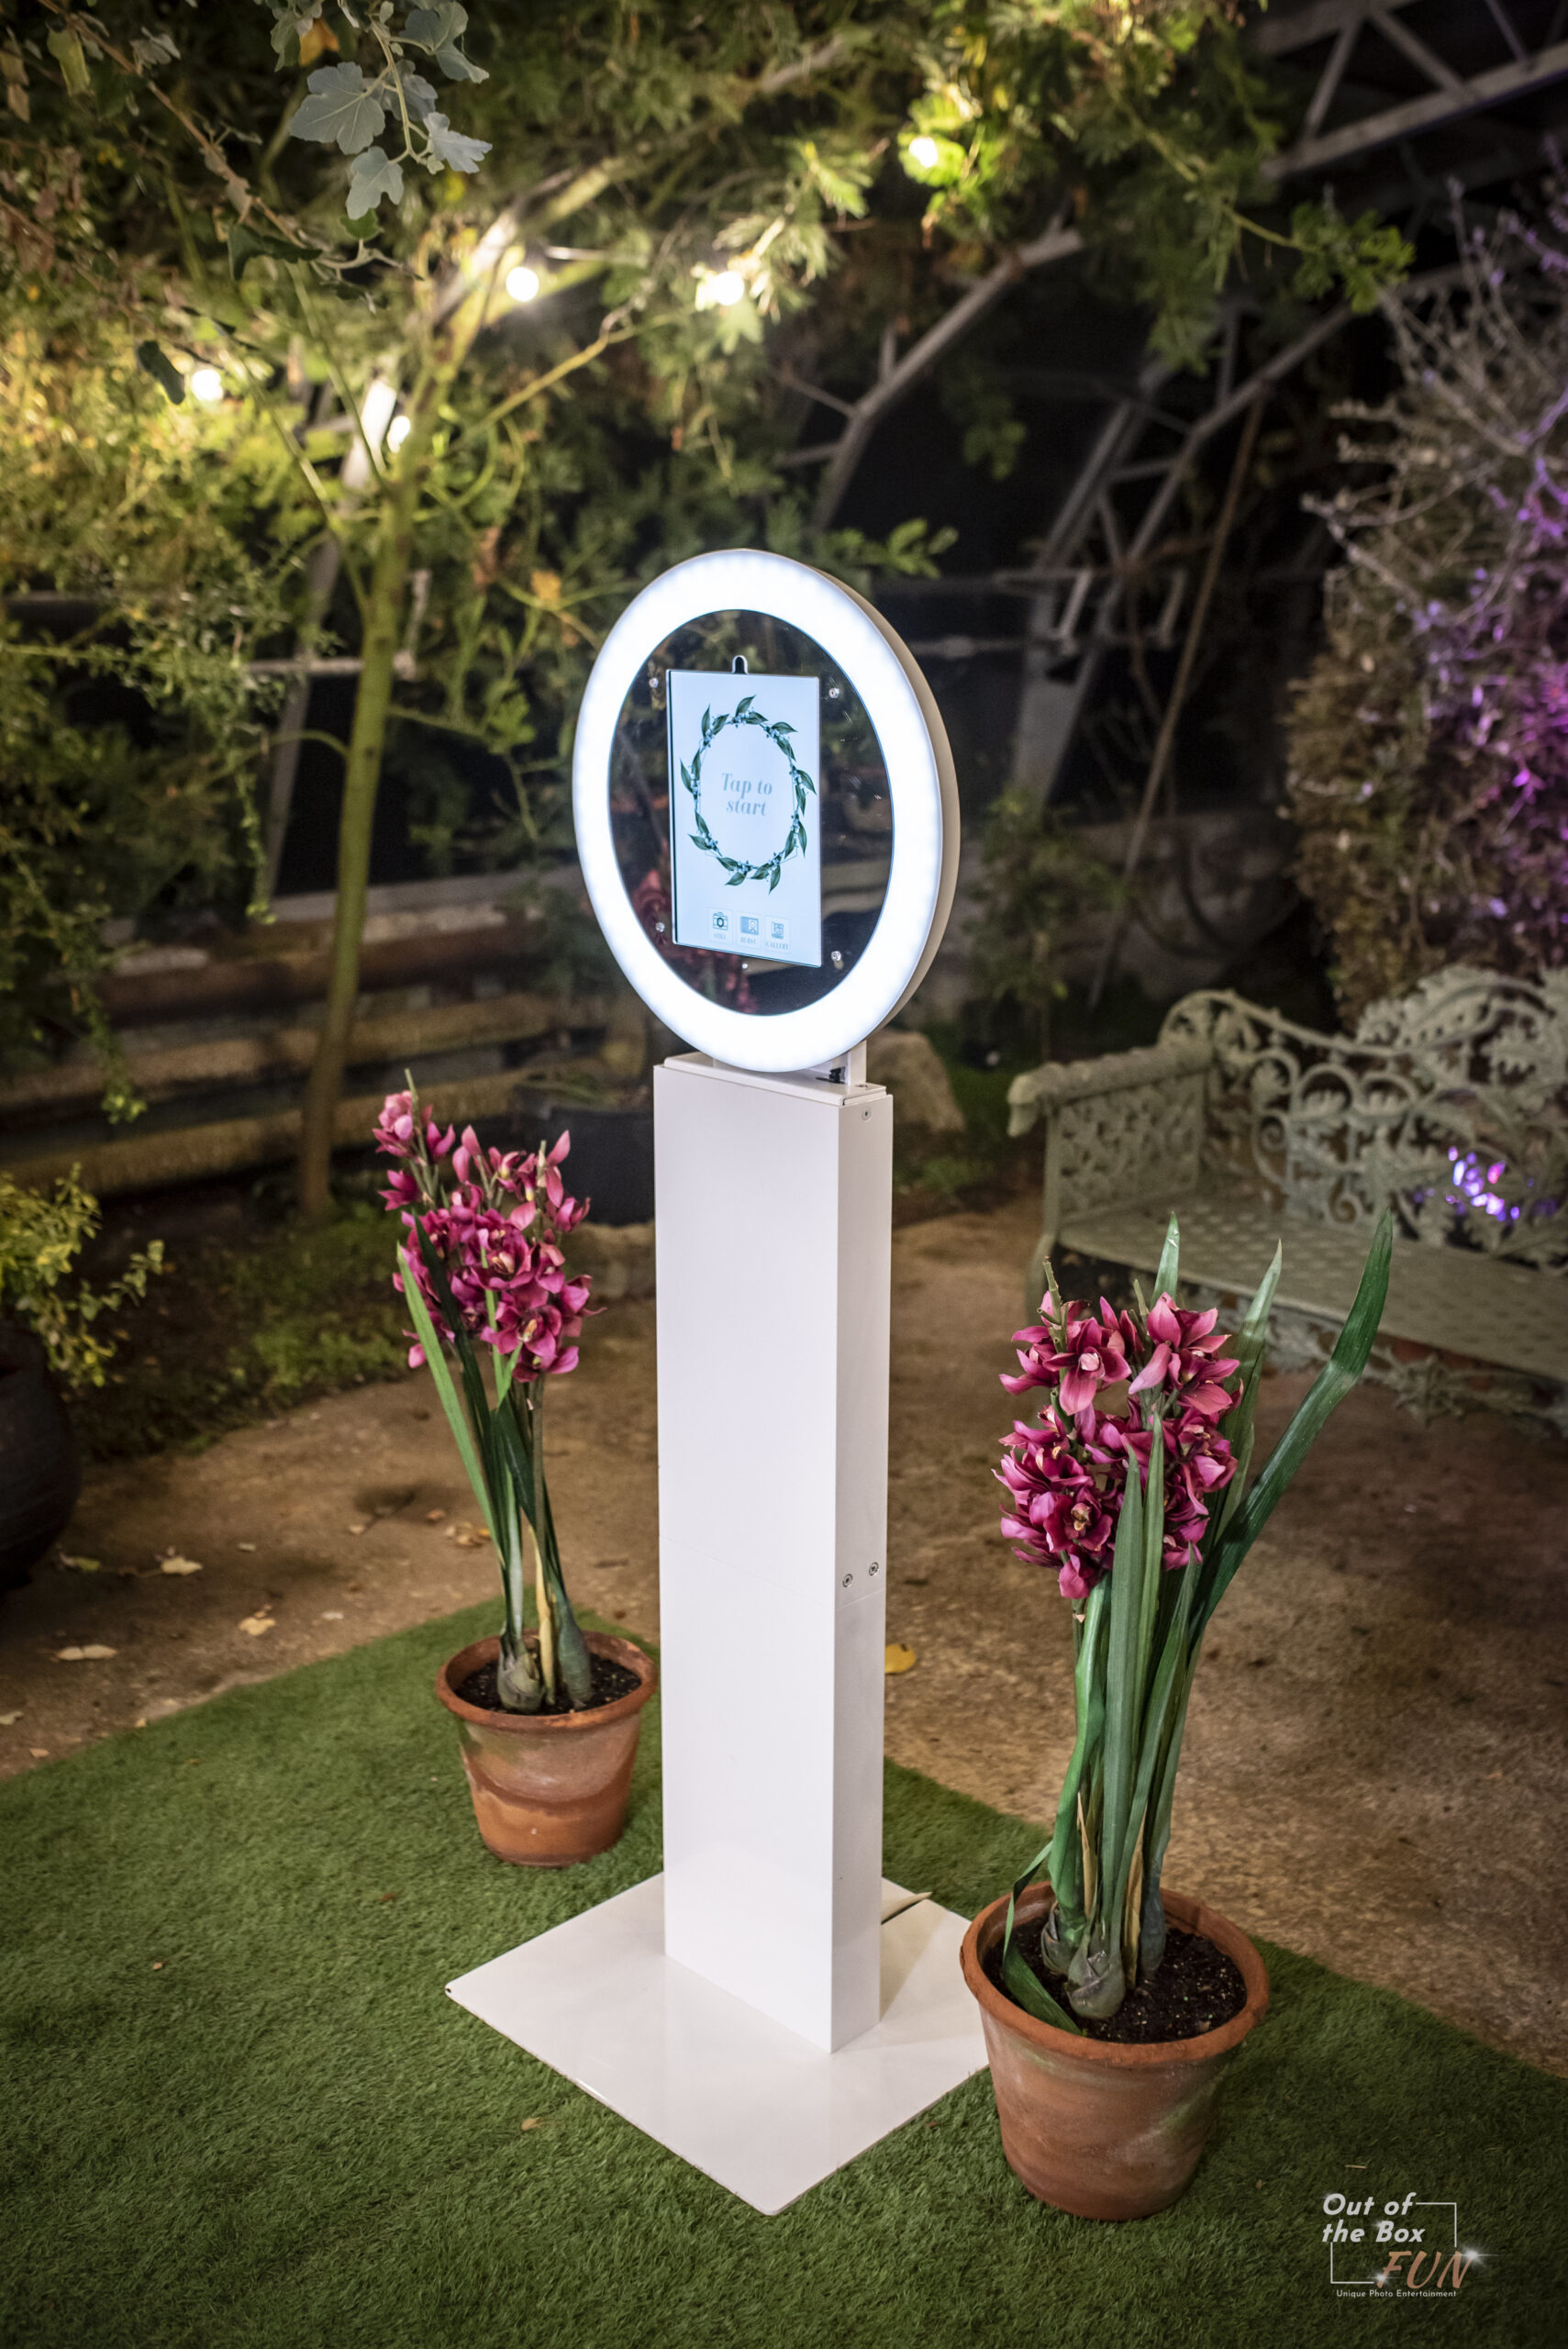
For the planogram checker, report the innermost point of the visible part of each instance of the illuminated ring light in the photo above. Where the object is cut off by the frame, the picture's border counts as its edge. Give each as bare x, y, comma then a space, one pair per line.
920, 777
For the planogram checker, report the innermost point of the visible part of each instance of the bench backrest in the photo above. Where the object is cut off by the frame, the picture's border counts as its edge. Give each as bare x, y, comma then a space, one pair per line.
1449, 1104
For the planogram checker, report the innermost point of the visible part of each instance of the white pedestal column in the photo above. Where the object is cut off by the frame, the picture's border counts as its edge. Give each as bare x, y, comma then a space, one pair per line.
775, 1203
749, 2008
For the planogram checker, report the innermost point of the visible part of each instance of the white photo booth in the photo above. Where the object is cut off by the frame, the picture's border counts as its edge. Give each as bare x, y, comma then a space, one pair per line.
757, 747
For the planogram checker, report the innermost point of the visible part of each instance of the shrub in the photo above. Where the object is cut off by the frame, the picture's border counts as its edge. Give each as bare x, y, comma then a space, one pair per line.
1429, 744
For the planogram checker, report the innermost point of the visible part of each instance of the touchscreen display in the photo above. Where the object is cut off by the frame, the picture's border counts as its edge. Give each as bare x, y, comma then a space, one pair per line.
751, 812
746, 822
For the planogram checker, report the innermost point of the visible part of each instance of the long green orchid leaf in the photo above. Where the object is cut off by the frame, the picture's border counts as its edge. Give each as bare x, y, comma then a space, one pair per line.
1024, 1986
426, 1331
1172, 1665
518, 1452
572, 1649
1157, 1834
1238, 1426
572, 1652
1152, 1576
1331, 1386
468, 1363
1170, 1257
1022, 1885
1089, 1706
1059, 1858
1124, 1690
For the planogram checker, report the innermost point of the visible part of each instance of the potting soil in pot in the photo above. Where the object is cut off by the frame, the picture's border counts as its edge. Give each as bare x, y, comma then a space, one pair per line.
611, 1681
1196, 1988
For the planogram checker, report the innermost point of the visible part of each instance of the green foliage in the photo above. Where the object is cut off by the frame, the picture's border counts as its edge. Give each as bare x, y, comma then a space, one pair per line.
1429, 780
1036, 880
1364, 256
41, 1236
946, 1175
307, 1306
176, 198
978, 400
1152, 122
128, 733
245, 1329
298, 1355
1136, 1645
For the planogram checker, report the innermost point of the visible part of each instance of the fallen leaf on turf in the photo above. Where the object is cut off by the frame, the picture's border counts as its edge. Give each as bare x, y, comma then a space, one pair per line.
39, 1752
536, 2123
93, 1654
254, 1625
182, 1566
386, 1896
434, 1515
897, 1659
8, 1720
158, 1966
245, 1545
469, 1537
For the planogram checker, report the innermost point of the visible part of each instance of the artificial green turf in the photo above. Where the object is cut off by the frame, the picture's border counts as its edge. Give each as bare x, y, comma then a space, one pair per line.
290, 2136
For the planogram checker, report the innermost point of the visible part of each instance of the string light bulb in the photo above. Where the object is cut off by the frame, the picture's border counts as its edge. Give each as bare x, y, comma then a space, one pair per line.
207, 386
522, 282
728, 288
924, 152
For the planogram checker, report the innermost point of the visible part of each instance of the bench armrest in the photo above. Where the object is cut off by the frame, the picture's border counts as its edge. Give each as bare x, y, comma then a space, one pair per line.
1058, 1082
1119, 1128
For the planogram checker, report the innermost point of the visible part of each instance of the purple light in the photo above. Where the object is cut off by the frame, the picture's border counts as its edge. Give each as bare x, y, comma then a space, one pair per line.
1472, 1186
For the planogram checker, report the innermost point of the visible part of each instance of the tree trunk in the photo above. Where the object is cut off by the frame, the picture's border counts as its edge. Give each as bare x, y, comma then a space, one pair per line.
453, 339
361, 776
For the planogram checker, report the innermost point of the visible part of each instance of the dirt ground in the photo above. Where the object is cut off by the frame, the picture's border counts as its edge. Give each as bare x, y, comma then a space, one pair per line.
1375, 1762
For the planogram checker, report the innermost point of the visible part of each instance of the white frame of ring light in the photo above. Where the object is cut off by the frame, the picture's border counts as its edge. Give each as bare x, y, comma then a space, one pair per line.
924, 868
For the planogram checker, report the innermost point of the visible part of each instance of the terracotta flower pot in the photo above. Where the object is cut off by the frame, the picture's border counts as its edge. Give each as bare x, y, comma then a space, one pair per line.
548, 1788
1106, 2132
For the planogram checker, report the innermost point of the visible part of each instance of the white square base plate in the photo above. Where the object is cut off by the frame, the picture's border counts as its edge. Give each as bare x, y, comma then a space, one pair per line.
756, 2107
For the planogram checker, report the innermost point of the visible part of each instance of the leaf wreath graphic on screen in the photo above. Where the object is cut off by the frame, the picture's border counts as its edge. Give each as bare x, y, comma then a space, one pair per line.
779, 732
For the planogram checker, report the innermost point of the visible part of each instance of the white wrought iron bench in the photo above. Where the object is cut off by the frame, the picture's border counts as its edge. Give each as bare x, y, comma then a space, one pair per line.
1450, 1105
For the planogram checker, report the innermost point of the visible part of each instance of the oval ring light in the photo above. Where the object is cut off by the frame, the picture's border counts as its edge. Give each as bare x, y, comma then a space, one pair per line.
921, 782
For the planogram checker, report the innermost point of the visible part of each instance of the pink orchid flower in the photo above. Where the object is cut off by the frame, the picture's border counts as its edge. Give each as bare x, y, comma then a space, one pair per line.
1187, 1359
1090, 1354
1064, 1475
494, 1222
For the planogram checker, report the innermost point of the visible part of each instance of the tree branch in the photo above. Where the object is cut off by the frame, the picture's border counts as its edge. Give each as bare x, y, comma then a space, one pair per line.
922, 356
243, 197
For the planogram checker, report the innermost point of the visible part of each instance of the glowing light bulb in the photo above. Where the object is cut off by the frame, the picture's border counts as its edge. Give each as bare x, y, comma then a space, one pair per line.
397, 431
924, 152
728, 288
522, 282
207, 384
